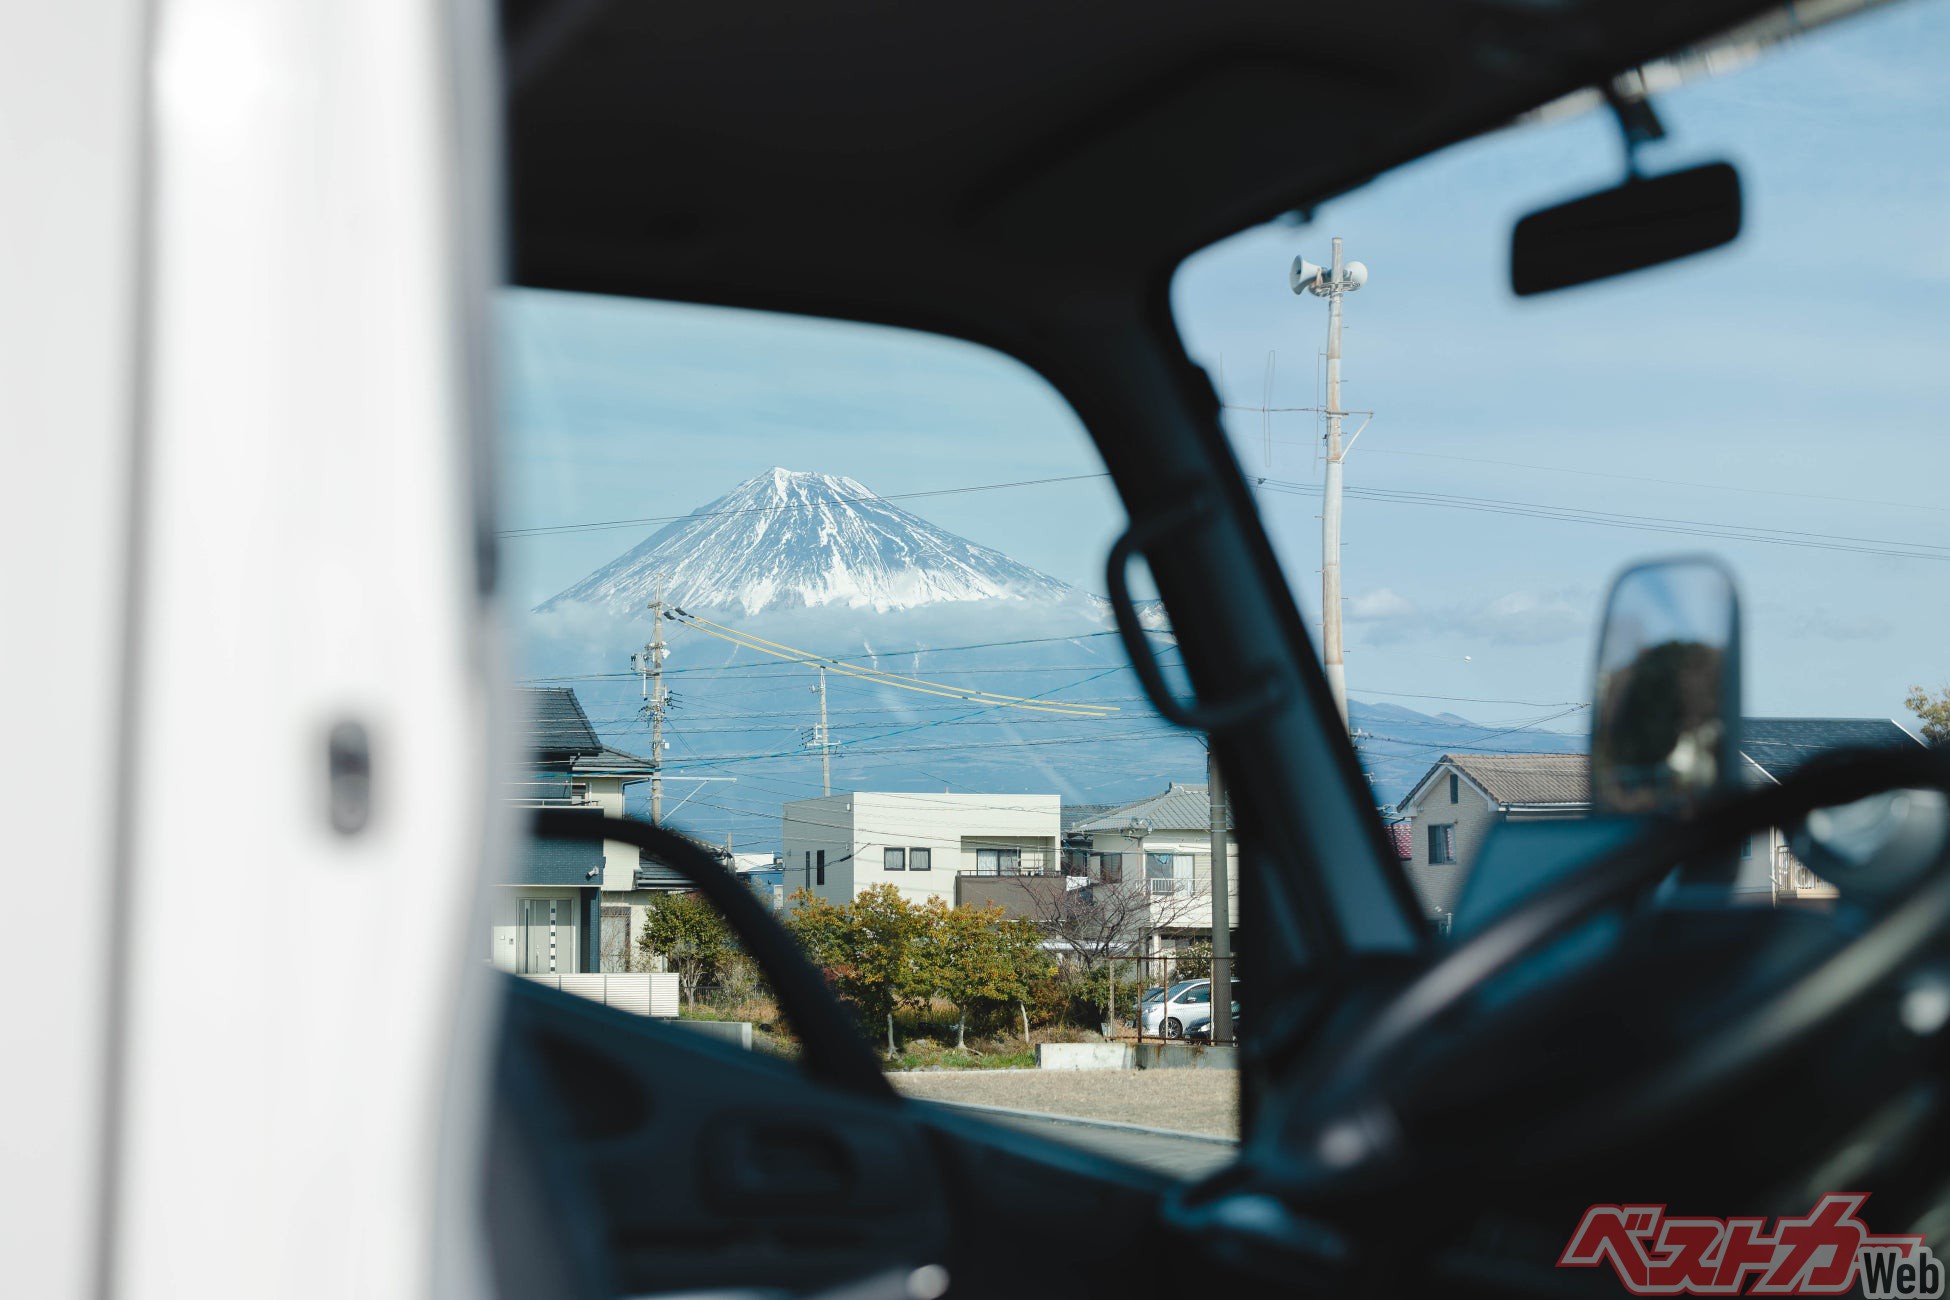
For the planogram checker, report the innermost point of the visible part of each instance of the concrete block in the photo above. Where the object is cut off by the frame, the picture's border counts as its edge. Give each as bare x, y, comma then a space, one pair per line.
736, 1032
1083, 1056
1184, 1056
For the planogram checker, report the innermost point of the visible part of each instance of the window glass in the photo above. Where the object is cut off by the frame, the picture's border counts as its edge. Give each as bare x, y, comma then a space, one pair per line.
814, 592
1777, 402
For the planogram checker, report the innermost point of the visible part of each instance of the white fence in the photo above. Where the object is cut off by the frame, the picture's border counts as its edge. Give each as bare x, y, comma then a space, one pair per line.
649, 993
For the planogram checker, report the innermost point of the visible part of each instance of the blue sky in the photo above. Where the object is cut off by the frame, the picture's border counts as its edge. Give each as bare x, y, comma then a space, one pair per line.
1796, 380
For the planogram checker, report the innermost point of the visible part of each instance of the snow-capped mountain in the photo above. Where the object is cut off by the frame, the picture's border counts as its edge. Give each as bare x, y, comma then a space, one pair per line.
790, 540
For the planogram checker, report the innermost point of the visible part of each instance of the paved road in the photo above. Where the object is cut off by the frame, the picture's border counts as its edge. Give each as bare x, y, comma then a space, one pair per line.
1182, 1155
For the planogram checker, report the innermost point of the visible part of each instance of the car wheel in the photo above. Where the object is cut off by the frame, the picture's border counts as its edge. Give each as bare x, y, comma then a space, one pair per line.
1172, 1029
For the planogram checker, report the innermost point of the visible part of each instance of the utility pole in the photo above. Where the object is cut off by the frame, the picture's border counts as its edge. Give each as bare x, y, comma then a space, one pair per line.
1221, 903
822, 739
1332, 283
656, 699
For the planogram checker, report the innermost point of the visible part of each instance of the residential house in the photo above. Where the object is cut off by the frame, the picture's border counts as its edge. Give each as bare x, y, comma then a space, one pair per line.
839, 845
764, 875
570, 906
1165, 841
1453, 807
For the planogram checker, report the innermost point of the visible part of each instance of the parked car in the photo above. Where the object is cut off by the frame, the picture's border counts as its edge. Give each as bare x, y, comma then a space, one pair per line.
1200, 1031
1183, 1003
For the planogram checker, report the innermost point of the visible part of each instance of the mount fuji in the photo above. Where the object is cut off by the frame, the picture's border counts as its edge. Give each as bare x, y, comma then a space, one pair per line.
786, 540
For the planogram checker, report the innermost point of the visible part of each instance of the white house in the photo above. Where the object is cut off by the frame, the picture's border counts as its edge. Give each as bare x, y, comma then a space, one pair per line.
837, 846
1165, 840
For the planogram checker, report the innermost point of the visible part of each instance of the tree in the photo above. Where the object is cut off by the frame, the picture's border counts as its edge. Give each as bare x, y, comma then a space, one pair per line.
869, 950
967, 959
1933, 711
1102, 920
1194, 961
688, 934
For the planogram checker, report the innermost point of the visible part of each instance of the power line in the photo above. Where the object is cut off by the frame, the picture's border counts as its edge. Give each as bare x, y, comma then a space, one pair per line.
1638, 523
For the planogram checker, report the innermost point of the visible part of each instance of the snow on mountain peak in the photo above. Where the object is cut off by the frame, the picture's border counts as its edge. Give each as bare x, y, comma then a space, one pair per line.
788, 539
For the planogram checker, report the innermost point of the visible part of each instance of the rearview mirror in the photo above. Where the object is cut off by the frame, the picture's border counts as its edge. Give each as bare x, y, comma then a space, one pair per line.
1666, 702
1641, 223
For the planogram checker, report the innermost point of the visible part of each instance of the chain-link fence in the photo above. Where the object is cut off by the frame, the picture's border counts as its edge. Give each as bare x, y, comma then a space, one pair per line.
1170, 996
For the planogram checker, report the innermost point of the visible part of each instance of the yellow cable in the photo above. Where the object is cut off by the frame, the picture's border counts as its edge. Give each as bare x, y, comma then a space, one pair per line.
779, 650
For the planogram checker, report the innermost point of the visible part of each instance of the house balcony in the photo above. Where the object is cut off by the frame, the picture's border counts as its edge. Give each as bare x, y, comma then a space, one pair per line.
549, 794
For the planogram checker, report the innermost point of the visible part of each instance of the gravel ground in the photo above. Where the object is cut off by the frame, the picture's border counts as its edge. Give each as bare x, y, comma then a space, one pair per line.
1189, 1101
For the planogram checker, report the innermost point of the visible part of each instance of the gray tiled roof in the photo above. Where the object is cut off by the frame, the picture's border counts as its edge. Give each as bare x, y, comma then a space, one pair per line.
1779, 745
1179, 808
557, 726
1528, 778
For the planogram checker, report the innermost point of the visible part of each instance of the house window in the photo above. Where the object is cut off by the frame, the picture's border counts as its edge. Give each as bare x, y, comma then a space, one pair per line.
1747, 849
920, 859
998, 862
819, 866
1455, 788
1442, 844
1161, 872
808, 866
894, 859
1110, 868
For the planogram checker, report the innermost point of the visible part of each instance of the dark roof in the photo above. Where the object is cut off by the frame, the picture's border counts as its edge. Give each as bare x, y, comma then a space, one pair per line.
611, 761
1179, 807
557, 726
1779, 745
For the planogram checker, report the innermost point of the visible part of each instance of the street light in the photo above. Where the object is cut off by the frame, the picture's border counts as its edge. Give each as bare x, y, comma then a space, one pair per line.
1331, 282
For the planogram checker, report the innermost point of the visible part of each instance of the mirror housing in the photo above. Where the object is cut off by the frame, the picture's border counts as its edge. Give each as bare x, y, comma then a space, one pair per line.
1644, 222
1666, 696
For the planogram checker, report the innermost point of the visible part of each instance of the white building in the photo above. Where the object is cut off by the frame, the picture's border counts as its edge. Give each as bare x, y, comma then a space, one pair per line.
1165, 840
839, 845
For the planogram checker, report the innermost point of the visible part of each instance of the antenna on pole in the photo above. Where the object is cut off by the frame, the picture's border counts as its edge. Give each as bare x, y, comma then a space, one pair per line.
1332, 282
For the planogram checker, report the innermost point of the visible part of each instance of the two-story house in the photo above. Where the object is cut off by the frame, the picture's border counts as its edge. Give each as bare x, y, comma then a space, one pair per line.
569, 906
1451, 810
1165, 841
835, 847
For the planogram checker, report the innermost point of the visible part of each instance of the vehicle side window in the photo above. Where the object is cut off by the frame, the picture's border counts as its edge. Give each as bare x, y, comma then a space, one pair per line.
1199, 996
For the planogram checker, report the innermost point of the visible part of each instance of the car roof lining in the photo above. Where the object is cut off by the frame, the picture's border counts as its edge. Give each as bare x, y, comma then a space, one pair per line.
656, 148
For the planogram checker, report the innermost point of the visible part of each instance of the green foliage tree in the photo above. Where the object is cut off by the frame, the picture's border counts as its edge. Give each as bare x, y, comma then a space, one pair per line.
871, 950
968, 960
1193, 962
687, 932
1933, 711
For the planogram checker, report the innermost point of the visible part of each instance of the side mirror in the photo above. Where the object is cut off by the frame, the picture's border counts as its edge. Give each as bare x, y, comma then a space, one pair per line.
1641, 223
1666, 700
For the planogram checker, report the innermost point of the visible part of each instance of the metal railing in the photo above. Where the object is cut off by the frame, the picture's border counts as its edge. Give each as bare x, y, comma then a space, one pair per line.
548, 794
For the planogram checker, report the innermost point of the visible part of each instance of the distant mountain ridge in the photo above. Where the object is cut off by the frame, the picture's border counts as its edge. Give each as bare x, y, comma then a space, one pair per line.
787, 539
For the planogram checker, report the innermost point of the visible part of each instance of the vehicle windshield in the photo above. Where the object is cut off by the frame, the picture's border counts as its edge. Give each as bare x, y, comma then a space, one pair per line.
827, 598
1777, 402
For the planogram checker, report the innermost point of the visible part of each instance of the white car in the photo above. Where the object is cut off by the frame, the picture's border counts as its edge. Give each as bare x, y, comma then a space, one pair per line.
1182, 1003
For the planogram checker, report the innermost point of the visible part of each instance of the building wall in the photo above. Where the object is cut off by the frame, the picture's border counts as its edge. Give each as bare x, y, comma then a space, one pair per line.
504, 943
619, 860
1187, 914
808, 826
855, 830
